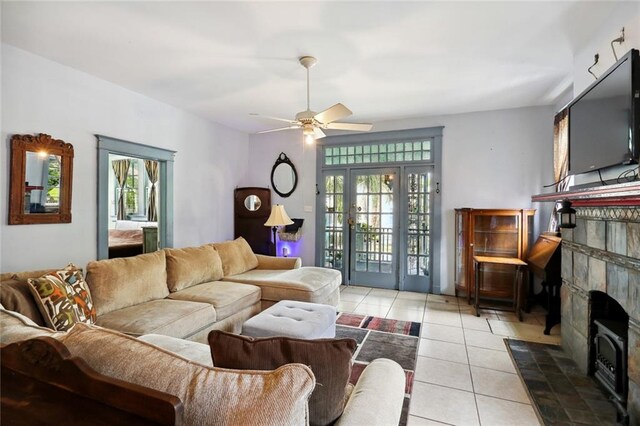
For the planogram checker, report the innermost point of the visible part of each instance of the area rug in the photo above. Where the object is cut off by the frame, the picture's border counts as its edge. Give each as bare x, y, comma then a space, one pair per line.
560, 393
382, 338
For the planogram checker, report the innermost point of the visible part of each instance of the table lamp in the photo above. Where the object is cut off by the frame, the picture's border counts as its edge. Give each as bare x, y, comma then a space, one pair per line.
278, 217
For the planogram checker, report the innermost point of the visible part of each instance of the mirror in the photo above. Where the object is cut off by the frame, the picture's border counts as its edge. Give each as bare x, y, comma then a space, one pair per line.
252, 203
284, 177
41, 179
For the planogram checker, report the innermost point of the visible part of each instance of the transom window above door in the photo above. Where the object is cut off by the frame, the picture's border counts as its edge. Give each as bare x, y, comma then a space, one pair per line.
378, 153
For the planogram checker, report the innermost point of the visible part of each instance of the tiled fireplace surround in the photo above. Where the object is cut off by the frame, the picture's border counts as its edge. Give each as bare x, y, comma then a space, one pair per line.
602, 253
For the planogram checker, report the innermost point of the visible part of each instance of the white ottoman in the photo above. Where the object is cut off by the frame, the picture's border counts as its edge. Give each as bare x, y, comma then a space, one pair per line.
293, 319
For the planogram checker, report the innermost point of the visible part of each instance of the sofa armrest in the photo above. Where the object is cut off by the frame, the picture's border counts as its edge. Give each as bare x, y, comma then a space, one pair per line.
272, 262
381, 385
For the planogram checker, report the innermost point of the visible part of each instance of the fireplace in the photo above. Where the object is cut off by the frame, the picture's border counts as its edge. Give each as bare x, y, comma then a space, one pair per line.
600, 298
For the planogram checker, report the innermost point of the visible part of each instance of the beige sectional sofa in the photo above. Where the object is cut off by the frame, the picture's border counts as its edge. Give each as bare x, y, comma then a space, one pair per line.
188, 292
154, 312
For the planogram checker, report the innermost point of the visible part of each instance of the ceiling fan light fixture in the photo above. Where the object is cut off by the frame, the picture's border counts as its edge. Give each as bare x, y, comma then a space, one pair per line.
309, 134
309, 139
307, 130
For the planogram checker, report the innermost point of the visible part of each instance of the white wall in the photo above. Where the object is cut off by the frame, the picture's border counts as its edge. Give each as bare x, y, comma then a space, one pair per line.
627, 15
264, 150
495, 159
41, 96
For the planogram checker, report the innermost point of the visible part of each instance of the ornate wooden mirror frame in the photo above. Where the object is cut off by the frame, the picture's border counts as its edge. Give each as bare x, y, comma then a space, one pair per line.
19, 212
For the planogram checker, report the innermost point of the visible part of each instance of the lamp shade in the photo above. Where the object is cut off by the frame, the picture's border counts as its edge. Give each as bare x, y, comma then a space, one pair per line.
278, 217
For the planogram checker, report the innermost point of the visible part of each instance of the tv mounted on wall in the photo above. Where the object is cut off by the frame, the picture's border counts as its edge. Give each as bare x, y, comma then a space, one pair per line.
604, 120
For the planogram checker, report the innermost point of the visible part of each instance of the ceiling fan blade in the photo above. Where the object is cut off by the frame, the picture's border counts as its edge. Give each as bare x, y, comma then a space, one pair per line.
357, 127
268, 117
333, 113
318, 133
279, 129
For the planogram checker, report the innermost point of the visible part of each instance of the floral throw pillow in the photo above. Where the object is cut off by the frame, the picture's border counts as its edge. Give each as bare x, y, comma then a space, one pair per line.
63, 298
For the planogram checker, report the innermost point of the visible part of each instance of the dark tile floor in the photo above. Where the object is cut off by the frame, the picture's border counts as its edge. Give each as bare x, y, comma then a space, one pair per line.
559, 391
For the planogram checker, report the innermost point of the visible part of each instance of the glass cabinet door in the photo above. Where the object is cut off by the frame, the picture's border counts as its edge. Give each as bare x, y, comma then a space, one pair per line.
461, 252
497, 234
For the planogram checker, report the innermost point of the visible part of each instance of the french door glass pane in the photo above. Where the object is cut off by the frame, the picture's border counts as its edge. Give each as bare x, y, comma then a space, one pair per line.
374, 223
418, 193
334, 217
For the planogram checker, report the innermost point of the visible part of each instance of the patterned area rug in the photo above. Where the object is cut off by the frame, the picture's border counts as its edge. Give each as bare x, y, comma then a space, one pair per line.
382, 338
561, 394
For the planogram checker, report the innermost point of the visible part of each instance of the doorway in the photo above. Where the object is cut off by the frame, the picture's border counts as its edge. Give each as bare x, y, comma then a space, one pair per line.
123, 200
378, 217
373, 224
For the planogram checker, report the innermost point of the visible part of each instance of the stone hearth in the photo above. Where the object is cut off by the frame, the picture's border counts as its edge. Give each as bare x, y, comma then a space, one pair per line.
602, 253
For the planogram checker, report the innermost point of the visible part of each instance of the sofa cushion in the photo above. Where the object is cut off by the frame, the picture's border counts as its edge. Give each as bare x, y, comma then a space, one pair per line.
177, 318
329, 359
211, 396
280, 263
305, 284
15, 295
127, 281
227, 298
32, 274
237, 256
193, 351
15, 327
63, 298
189, 266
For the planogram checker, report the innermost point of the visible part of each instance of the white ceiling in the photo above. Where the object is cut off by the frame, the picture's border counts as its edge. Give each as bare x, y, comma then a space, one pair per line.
384, 60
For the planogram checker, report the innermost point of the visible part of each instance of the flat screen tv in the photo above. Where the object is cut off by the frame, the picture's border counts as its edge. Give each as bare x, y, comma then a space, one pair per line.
604, 120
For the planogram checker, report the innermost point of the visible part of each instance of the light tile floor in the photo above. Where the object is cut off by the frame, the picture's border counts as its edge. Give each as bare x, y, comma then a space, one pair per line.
464, 375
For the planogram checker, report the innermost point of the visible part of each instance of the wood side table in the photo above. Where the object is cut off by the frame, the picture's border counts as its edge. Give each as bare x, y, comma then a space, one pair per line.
519, 265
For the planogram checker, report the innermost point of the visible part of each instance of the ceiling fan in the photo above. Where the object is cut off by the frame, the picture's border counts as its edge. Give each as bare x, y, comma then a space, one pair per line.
312, 123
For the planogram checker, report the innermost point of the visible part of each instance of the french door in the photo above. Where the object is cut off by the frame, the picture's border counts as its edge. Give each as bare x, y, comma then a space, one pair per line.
377, 226
417, 222
373, 227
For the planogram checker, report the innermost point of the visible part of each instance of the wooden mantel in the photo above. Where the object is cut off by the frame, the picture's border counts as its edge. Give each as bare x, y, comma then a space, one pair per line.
623, 194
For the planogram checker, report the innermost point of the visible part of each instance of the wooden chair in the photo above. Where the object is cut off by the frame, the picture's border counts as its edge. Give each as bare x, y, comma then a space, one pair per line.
42, 384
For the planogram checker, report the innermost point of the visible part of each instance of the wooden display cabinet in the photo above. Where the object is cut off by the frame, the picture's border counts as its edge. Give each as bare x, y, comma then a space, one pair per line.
495, 233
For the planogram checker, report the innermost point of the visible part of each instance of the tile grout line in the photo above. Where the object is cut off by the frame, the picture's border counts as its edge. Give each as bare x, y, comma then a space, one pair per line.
473, 387
433, 420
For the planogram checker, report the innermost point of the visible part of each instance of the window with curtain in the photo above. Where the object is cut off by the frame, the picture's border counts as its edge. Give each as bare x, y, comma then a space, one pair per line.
130, 185
560, 159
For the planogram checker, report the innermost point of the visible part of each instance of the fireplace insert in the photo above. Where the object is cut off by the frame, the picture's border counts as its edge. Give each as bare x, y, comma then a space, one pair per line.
610, 364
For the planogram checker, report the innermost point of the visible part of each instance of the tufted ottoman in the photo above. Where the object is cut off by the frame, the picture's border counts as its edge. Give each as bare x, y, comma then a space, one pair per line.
290, 318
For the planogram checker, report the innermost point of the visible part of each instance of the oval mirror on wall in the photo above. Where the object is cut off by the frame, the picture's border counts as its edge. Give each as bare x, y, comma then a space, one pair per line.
284, 177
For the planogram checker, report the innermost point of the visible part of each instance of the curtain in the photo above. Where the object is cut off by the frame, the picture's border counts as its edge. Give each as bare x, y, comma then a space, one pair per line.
152, 172
560, 159
121, 170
